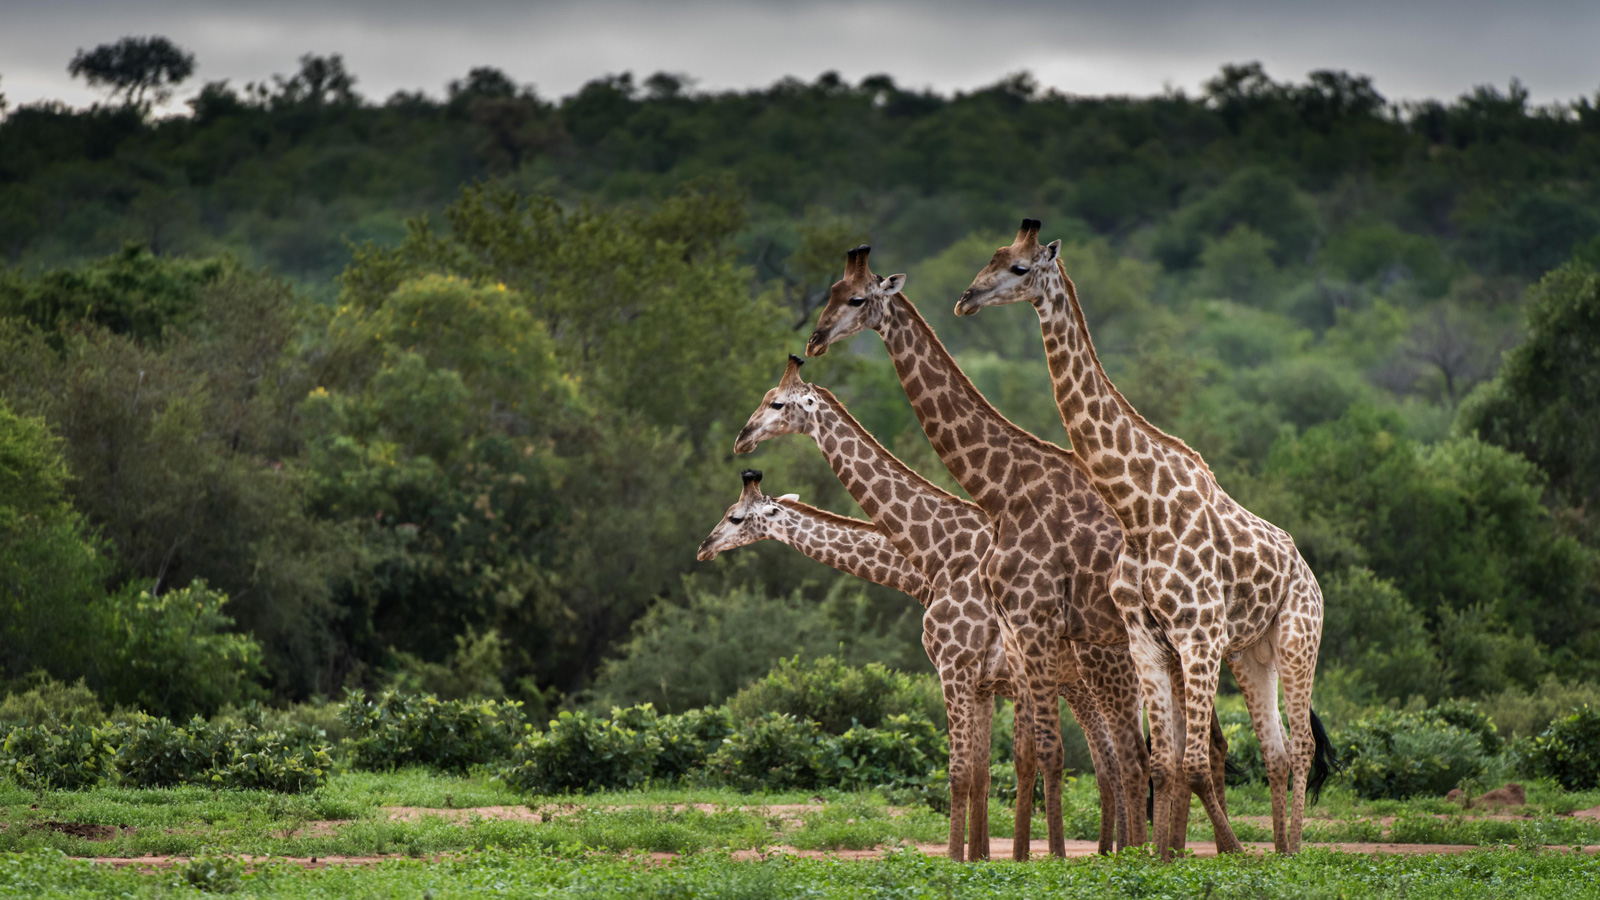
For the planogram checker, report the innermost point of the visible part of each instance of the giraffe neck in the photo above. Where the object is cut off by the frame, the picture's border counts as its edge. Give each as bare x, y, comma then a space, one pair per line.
1115, 445
879, 482
966, 431
853, 546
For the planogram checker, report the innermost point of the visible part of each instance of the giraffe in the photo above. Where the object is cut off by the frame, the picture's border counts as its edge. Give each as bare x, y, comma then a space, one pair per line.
1203, 577
946, 538
849, 545
1055, 544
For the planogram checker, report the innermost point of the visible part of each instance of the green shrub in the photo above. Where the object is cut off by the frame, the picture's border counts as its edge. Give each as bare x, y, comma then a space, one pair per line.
1396, 755
582, 753
450, 735
52, 702
1569, 750
158, 753
901, 754
773, 751
688, 740
834, 695
286, 762
1469, 716
1520, 713
67, 758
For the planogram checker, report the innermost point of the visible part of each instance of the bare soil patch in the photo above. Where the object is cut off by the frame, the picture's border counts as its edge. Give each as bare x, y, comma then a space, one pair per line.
85, 831
1592, 812
999, 849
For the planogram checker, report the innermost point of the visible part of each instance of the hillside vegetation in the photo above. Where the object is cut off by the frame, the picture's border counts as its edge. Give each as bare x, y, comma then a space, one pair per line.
307, 391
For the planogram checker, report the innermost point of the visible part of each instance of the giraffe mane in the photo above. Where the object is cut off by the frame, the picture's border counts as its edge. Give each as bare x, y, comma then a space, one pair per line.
828, 516
890, 459
1150, 430
917, 321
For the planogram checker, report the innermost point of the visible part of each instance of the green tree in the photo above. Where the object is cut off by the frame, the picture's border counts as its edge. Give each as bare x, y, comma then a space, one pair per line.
142, 70
182, 457
52, 568
1545, 402
1454, 526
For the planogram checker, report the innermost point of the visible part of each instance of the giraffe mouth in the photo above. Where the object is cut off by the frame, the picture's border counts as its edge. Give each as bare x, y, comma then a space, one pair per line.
818, 344
967, 305
706, 553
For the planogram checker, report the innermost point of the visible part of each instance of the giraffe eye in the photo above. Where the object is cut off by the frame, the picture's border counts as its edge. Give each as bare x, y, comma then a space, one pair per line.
1019, 270
777, 405
737, 520
857, 301
772, 510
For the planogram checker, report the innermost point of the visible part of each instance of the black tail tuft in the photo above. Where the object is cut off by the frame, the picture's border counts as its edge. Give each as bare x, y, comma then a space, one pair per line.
1324, 761
1231, 769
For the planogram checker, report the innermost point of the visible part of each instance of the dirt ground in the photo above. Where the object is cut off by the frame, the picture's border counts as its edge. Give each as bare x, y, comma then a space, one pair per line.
999, 848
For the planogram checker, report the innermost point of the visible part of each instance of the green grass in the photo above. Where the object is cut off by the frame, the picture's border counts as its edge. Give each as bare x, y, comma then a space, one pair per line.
197, 821
1312, 874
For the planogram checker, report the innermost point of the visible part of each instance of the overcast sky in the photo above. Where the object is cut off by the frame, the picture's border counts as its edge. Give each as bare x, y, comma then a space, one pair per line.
1412, 48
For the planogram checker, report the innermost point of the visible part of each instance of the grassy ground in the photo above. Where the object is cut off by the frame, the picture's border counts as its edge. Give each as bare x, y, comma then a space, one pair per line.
1311, 874
491, 839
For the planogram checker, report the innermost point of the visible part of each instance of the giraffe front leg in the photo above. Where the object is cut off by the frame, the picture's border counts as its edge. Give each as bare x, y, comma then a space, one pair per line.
1156, 687
1201, 659
978, 795
1110, 673
1086, 709
1180, 788
1025, 760
957, 703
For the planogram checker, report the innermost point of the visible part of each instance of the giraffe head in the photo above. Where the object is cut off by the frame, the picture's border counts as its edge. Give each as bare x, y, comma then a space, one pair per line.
858, 300
754, 517
786, 409
1010, 276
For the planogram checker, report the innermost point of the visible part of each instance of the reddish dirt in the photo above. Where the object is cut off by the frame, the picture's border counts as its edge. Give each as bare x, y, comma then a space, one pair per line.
81, 830
999, 849
1592, 812
792, 813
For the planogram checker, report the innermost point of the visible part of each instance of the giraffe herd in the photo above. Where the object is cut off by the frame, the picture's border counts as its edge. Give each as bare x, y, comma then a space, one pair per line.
1117, 575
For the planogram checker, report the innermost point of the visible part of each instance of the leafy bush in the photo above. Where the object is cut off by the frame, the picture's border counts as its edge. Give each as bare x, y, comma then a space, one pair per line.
286, 762
69, 758
51, 702
1520, 713
1569, 750
773, 751
1469, 716
158, 753
834, 695
688, 740
582, 752
1396, 755
901, 754
451, 735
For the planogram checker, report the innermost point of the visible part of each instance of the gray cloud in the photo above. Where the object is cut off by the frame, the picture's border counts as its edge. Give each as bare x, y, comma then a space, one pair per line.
1432, 48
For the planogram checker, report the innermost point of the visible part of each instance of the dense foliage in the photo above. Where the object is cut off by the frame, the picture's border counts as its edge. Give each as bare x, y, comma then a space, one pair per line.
437, 394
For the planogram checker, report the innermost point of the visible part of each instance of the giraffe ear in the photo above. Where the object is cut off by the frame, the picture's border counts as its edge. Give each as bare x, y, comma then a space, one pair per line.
794, 497
893, 284
1051, 251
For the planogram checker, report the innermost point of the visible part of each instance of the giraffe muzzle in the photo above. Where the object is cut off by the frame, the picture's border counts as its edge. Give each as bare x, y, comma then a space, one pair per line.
818, 344
965, 306
745, 442
707, 553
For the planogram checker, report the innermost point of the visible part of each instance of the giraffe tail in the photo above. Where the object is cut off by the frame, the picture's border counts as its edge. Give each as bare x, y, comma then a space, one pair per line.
1324, 761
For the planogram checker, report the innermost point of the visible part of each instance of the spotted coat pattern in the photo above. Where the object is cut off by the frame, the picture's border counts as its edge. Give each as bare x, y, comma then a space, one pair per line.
1203, 579
1055, 544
